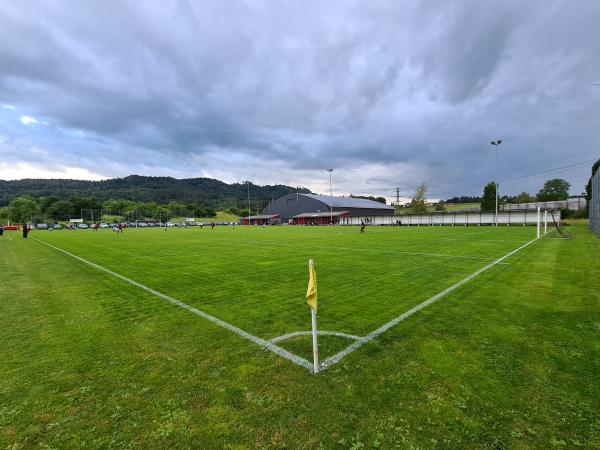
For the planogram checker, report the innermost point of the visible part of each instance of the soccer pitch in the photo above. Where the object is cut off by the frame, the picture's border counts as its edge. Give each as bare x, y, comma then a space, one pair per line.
507, 357
255, 278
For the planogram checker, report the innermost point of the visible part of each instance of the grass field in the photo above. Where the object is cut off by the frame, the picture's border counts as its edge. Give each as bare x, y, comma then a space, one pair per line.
510, 359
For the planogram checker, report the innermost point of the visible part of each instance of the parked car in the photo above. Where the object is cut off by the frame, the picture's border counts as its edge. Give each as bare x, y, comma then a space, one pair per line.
142, 224
83, 226
57, 226
41, 226
104, 225
170, 224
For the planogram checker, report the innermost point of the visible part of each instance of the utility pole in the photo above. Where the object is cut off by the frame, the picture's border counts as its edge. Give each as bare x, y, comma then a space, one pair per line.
330, 195
397, 196
248, 185
496, 144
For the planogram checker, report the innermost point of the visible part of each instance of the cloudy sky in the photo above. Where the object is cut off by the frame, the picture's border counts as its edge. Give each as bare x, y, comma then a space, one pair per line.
389, 94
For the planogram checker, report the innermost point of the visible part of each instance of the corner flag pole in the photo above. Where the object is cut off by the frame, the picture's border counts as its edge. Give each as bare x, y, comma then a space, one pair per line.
311, 299
538, 222
315, 344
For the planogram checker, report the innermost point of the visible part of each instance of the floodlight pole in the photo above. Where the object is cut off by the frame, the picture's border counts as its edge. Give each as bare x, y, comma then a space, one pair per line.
248, 185
331, 196
496, 144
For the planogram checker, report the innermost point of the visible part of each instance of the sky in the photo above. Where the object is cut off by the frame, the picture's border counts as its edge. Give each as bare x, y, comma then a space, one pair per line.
390, 94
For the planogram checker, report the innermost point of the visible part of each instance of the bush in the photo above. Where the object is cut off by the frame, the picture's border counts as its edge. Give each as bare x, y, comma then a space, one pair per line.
571, 214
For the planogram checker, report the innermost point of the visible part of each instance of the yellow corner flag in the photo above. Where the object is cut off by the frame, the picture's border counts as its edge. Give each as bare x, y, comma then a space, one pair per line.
311, 292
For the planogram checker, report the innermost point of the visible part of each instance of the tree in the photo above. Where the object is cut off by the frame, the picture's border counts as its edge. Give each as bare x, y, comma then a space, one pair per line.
418, 202
46, 203
488, 202
62, 209
588, 187
21, 209
555, 189
524, 197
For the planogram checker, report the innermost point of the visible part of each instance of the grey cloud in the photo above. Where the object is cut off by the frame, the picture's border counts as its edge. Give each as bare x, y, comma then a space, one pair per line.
292, 87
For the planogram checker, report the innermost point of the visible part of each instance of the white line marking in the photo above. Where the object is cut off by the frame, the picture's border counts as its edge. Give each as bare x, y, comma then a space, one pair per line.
382, 329
259, 341
308, 333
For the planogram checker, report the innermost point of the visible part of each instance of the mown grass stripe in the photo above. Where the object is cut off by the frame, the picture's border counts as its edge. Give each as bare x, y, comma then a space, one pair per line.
255, 339
382, 329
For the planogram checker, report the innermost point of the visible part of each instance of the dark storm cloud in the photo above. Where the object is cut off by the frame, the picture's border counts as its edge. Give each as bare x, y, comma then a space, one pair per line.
388, 93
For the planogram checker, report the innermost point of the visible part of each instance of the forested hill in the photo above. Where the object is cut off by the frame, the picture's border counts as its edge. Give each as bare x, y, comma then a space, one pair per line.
205, 191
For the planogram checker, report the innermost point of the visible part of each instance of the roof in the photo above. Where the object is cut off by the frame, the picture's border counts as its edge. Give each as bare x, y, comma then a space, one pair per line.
266, 216
322, 214
348, 202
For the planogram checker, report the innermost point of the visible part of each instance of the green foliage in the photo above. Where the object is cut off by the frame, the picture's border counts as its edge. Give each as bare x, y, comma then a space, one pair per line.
62, 209
22, 209
46, 203
162, 190
418, 202
488, 201
464, 199
588, 186
555, 189
523, 197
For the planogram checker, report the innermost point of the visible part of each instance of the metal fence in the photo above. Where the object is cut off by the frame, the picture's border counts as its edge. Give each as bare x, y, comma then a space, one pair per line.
572, 204
458, 218
595, 203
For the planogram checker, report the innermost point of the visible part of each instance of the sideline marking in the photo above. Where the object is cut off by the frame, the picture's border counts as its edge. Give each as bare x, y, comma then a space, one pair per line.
382, 329
259, 341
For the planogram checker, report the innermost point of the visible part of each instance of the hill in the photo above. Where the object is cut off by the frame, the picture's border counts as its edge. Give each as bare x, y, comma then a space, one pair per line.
205, 191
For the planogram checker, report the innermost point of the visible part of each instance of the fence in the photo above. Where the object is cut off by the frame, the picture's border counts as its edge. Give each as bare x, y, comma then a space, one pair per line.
572, 204
458, 218
595, 203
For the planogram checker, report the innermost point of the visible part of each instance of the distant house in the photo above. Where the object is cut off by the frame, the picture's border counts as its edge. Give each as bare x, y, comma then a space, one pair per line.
308, 209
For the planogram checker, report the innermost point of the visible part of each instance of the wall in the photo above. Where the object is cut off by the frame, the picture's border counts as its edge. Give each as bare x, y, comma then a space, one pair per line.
456, 219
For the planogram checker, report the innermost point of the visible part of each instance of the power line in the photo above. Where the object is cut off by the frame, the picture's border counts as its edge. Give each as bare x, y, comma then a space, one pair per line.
516, 180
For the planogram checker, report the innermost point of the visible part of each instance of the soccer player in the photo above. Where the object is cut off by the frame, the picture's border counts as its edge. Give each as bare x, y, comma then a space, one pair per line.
362, 227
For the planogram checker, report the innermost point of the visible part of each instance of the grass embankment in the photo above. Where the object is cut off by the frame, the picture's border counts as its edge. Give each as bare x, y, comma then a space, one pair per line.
508, 360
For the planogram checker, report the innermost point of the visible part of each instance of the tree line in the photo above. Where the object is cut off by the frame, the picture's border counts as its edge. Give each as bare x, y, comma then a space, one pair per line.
208, 192
50, 210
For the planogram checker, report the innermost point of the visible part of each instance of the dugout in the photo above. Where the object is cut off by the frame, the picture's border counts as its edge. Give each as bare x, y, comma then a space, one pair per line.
323, 218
